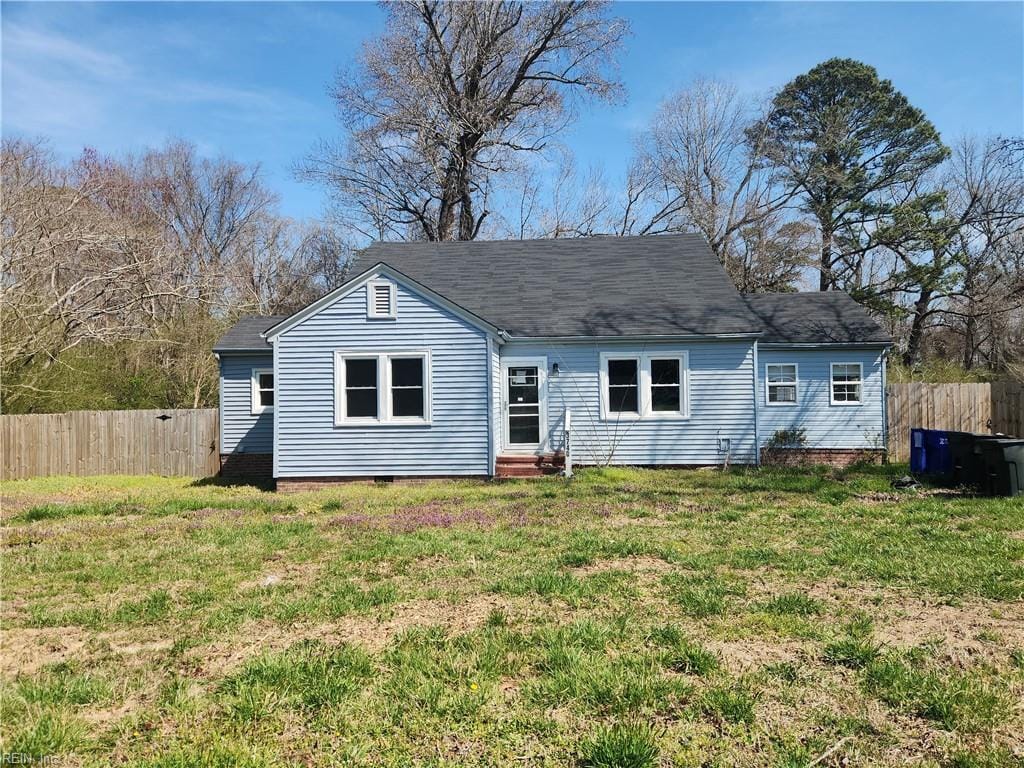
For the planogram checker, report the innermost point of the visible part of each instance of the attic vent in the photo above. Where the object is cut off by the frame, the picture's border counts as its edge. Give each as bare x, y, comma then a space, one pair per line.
380, 299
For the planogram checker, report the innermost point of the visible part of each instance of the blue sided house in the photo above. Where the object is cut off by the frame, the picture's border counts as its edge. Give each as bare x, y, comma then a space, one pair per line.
502, 358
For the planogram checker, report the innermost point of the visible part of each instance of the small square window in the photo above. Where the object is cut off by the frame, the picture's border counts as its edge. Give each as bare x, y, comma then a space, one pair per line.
781, 383
847, 383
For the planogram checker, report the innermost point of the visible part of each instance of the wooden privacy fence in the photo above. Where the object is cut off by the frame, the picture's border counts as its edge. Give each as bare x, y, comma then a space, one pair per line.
150, 442
987, 408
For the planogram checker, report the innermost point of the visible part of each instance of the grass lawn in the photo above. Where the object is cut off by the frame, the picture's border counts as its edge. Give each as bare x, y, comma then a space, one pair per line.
626, 618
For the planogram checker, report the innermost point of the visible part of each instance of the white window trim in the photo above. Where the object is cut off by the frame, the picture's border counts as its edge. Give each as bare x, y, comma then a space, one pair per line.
768, 385
371, 290
384, 406
832, 383
254, 391
646, 412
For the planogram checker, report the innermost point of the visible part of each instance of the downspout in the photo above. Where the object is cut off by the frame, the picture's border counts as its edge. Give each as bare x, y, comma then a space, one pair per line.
757, 410
491, 469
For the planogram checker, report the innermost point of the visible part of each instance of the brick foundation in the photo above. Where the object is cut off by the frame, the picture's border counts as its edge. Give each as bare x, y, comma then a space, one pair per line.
835, 457
296, 484
247, 466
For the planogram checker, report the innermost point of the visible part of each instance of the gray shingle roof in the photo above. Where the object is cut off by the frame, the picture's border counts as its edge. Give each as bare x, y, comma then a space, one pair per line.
245, 336
604, 286
815, 318
668, 285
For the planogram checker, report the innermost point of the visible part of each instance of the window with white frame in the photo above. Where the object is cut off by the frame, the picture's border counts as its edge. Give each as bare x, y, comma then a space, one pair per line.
847, 383
623, 375
781, 381
381, 300
666, 385
650, 386
382, 387
262, 386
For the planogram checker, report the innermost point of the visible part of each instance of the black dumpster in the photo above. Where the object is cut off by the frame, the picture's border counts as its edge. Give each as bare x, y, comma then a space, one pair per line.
967, 457
1004, 467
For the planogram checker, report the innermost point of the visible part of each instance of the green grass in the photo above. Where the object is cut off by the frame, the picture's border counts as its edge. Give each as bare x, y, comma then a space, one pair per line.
964, 701
625, 618
623, 745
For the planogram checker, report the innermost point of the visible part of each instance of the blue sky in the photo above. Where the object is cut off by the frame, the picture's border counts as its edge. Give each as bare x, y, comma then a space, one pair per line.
250, 80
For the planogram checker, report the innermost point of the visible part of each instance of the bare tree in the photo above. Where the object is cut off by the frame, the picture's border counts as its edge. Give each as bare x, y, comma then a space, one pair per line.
956, 254
448, 102
144, 260
81, 260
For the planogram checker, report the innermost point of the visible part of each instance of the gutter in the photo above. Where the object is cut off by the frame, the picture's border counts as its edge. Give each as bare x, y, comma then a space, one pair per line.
610, 339
827, 344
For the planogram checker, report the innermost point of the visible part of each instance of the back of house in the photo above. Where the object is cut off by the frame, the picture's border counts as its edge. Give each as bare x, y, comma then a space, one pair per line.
470, 359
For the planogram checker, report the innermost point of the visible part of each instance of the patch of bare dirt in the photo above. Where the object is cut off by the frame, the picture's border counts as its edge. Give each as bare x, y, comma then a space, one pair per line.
26, 650
963, 634
751, 653
641, 564
280, 573
370, 633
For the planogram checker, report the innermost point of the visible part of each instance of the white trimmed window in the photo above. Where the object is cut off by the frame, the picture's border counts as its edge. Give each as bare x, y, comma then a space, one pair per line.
623, 386
665, 379
782, 382
847, 383
262, 389
381, 388
650, 386
381, 300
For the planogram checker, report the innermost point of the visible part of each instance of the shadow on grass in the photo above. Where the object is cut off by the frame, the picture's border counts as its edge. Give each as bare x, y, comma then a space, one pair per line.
217, 481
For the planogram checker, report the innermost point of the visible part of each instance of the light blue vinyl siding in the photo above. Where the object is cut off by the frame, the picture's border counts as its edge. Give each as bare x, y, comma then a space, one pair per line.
308, 442
826, 425
242, 431
721, 405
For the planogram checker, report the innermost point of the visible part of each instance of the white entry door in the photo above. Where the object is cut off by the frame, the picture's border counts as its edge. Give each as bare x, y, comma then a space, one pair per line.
524, 399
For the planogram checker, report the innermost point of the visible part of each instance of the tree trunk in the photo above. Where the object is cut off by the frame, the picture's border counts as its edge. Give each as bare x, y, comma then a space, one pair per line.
970, 321
921, 307
825, 267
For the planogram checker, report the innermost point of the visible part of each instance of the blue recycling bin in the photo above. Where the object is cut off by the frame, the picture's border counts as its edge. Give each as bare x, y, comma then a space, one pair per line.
930, 453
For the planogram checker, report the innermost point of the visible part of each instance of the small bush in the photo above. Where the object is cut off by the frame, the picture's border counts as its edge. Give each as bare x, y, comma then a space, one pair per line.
623, 745
788, 438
